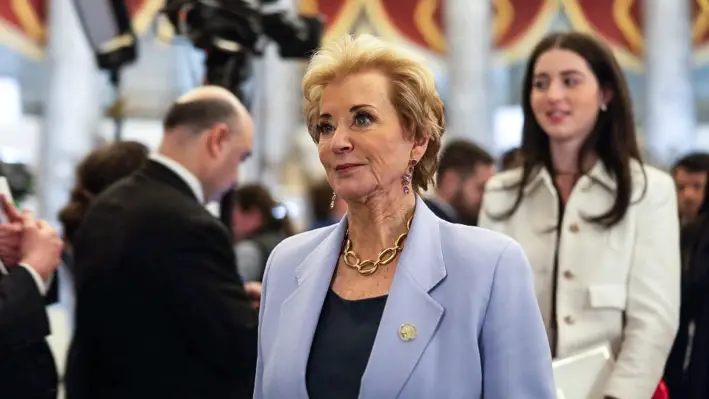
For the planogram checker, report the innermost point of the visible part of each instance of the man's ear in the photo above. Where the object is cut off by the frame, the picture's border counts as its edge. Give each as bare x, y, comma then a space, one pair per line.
216, 137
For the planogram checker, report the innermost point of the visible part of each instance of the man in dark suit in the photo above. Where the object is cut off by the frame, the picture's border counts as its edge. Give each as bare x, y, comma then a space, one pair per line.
463, 170
29, 253
161, 311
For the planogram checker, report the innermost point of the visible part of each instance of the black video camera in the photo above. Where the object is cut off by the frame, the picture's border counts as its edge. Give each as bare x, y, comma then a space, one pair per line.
233, 31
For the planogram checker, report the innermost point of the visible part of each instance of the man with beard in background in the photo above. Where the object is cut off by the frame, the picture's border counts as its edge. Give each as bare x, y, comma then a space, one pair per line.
463, 170
690, 174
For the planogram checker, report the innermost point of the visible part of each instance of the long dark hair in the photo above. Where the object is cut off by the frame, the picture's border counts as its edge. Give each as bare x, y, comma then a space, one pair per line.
612, 138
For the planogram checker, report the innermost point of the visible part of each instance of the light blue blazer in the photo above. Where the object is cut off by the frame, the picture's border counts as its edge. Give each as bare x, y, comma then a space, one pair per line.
467, 291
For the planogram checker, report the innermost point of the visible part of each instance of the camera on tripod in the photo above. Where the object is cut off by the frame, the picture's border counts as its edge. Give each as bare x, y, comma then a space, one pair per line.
232, 32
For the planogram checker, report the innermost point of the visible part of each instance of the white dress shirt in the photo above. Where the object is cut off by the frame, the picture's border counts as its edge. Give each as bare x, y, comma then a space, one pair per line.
189, 178
41, 285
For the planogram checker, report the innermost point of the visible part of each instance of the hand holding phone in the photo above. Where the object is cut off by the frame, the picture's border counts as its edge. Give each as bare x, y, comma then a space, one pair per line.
10, 228
8, 212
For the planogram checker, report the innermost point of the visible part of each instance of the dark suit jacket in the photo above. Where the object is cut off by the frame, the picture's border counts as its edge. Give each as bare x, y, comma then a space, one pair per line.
438, 211
692, 383
27, 368
160, 310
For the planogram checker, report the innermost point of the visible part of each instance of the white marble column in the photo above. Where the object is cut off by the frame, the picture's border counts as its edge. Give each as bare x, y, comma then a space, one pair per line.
72, 107
670, 115
250, 171
277, 115
470, 51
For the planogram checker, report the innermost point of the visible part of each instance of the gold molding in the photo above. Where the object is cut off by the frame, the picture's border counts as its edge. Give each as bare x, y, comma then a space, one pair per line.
424, 21
308, 7
503, 18
520, 49
17, 40
344, 20
700, 25
629, 61
628, 27
146, 15
29, 20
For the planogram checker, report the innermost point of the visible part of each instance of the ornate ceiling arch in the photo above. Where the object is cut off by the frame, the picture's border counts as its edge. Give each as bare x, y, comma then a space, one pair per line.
517, 23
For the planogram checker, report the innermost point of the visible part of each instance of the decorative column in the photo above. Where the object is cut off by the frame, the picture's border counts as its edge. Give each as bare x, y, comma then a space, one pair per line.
470, 51
277, 115
71, 111
670, 115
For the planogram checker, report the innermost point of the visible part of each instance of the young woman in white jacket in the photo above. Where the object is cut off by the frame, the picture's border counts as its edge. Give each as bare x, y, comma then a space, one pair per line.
599, 227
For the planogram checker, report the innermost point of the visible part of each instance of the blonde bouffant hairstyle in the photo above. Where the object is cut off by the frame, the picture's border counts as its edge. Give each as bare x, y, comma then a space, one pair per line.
413, 91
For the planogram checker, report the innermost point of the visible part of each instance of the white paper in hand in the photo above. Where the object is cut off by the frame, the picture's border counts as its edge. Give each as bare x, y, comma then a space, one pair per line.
584, 375
5, 191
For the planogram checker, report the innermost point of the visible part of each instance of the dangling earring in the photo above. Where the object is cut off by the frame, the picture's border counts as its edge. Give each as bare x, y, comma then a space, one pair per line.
604, 107
406, 179
332, 201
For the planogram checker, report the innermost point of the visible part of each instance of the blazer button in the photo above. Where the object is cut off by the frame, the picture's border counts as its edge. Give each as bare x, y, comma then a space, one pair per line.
569, 320
574, 228
568, 275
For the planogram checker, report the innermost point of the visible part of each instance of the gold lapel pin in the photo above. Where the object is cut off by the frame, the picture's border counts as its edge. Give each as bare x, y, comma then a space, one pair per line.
407, 332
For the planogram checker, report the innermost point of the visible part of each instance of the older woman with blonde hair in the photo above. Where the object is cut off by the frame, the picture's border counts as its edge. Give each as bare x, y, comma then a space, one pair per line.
393, 301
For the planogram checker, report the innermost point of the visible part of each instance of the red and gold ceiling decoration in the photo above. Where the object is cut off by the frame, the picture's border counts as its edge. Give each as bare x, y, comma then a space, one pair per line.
143, 13
23, 23
23, 26
517, 23
620, 23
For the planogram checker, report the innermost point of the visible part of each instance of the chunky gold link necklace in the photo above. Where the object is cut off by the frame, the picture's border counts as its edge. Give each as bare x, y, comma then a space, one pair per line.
367, 267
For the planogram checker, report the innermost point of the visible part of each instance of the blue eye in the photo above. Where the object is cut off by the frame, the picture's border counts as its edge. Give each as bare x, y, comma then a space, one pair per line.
325, 128
362, 119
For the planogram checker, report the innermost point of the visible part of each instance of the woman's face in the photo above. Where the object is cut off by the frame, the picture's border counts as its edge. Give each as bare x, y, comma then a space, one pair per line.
363, 146
565, 96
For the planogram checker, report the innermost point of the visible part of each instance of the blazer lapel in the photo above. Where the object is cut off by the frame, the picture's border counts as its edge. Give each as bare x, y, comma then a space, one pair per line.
409, 307
300, 312
157, 171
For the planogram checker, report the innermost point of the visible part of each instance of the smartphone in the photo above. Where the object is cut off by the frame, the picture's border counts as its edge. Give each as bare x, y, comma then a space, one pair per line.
5, 191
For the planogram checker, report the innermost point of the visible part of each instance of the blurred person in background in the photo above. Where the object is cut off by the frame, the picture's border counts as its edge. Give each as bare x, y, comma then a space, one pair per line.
160, 309
463, 170
100, 169
258, 224
393, 301
30, 251
687, 369
511, 159
690, 174
327, 208
600, 228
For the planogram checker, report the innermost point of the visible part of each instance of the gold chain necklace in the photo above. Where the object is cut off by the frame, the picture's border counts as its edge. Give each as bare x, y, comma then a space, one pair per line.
367, 267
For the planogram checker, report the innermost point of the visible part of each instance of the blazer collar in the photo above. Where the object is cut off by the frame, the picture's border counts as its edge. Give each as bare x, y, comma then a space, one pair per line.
155, 170
392, 360
597, 175
188, 177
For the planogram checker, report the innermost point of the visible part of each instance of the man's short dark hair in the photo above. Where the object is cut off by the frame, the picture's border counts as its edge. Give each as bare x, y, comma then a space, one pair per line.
463, 157
200, 115
510, 158
693, 163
